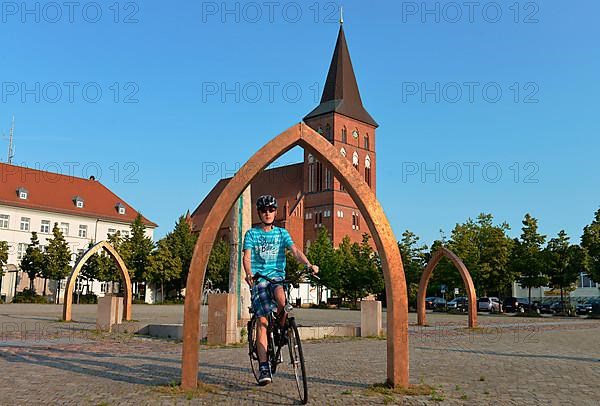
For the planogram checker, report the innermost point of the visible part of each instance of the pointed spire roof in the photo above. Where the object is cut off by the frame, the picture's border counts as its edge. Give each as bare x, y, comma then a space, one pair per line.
340, 93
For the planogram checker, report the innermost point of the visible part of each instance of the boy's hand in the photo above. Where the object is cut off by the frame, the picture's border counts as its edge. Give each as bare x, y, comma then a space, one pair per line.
249, 280
315, 269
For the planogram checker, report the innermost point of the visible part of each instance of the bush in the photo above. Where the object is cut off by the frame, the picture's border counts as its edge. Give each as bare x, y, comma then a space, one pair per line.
89, 298
29, 296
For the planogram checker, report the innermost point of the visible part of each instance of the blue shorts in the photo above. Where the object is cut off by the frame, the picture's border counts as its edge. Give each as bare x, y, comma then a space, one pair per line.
263, 297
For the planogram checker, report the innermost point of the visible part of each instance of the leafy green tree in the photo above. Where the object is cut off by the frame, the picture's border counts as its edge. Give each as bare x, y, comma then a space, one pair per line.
33, 262
136, 250
322, 254
414, 260
564, 263
495, 277
217, 269
3, 259
57, 258
163, 266
181, 242
590, 240
526, 258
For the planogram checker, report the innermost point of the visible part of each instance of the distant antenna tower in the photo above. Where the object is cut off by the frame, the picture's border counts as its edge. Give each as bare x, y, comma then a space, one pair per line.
11, 150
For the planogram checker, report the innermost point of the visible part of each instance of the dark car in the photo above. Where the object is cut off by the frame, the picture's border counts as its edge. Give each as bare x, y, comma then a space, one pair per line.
433, 302
587, 307
517, 305
460, 303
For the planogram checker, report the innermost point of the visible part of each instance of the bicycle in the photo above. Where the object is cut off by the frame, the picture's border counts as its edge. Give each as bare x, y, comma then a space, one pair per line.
274, 344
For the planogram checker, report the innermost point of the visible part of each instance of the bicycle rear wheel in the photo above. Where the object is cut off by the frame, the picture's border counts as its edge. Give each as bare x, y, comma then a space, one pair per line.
252, 352
297, 360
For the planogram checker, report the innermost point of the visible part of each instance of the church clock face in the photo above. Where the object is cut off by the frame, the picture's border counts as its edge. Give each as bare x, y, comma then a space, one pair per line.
355, 134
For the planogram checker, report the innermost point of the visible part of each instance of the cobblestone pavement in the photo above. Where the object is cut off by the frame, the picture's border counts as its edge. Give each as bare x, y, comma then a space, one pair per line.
514, 361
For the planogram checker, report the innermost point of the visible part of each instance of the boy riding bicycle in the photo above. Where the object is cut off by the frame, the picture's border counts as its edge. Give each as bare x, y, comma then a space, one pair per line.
264, 254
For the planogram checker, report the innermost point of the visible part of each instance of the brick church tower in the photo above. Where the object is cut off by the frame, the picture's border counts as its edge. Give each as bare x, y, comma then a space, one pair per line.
343, 121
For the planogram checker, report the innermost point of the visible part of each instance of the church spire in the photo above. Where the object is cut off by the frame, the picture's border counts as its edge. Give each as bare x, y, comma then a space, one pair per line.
340, 93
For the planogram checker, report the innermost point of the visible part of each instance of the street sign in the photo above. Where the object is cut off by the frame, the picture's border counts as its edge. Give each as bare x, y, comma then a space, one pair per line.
456, 291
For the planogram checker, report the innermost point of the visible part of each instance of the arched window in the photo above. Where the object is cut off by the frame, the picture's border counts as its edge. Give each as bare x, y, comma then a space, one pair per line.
367, 146
368, 170
344, 135
355, 160
328, 132
343, 151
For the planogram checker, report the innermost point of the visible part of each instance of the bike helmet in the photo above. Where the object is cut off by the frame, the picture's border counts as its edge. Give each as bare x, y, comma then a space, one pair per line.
266, 201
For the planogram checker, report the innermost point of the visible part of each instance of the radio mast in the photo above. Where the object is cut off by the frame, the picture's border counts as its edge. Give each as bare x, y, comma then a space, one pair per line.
11, 150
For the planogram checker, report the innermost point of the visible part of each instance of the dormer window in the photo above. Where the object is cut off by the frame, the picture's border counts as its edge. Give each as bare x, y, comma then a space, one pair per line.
78, 200
120, 208
22, 193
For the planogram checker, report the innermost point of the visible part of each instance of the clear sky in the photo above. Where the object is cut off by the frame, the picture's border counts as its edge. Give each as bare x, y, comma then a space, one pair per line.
151, 96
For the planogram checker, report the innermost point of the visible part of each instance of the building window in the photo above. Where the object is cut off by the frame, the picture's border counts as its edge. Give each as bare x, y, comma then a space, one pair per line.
83, 231
112, 231
585, 281
318, 176
328, 179
319, 219
125, 233
327, 213
120, 208
25, 223
344, 135
340, 213
308, 216
366, 141
21, 248
45, 227
78, 202
355, 160
368, 170
4, 220
64, 228
307, 244
328, 132
311, 177
104, 287
22, 193
343, 152
355, 221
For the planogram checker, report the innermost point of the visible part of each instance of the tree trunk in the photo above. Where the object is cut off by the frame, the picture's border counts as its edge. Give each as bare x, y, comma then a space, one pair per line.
530, 306
58, 292
31, 280
45, 282
162, 292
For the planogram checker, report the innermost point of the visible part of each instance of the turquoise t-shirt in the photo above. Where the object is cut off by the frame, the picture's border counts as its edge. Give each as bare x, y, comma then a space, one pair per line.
268, 250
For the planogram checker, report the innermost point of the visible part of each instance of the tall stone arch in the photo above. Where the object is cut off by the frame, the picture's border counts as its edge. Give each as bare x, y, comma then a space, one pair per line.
68, 302
364, 197
466, 277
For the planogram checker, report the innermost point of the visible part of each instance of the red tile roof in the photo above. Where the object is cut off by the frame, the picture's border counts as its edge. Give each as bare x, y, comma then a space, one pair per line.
53, 192
285, 183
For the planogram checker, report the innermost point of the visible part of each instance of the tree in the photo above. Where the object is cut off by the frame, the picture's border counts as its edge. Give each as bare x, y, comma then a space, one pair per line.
163, 266
181, 242
414, 260
590, 240
217, 269
322, 254
564, 263
527, 259
57, 258
33, 262
136, 250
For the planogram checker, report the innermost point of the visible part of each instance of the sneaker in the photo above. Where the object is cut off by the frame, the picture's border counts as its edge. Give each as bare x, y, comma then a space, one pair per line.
265, 376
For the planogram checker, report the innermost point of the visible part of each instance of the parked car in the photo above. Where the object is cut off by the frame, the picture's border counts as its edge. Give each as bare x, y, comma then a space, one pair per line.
488, 304
587, 307
516, 305
433, 302
553, 306
460, 303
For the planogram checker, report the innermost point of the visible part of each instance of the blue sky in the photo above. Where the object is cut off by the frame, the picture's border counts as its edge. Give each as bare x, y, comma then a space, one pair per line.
169, 76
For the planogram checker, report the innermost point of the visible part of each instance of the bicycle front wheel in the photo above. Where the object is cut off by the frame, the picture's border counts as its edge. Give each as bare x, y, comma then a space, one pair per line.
297, 360
252, 351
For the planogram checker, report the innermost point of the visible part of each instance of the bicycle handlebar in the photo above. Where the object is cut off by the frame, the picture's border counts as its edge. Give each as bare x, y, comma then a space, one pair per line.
256, 276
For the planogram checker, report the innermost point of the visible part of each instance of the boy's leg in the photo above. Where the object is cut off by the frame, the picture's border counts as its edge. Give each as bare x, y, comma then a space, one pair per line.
280, 300
261, 339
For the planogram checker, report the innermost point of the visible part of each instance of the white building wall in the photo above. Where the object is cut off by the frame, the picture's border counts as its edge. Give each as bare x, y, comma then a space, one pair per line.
308, 294
95, 230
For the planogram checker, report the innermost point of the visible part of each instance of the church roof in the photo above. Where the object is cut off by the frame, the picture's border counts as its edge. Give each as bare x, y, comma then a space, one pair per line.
340, 93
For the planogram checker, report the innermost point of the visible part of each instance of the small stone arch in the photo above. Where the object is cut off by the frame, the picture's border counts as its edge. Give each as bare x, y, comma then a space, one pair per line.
68, 301
367, 203
466, 277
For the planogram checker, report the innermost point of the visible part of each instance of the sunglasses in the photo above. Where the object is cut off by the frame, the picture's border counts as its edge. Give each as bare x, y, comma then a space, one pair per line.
268, 210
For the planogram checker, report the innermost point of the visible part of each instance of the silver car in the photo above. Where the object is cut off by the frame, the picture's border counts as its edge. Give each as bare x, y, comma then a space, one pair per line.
488, 304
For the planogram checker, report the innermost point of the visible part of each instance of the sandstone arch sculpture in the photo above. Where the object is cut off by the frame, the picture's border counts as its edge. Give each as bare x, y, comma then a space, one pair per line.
68, 302
317, 145
466, 277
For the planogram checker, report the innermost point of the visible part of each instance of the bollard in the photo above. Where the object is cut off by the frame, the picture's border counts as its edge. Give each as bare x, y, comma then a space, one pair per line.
370, 318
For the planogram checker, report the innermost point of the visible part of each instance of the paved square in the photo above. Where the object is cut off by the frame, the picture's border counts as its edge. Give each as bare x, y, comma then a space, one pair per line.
510, 360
